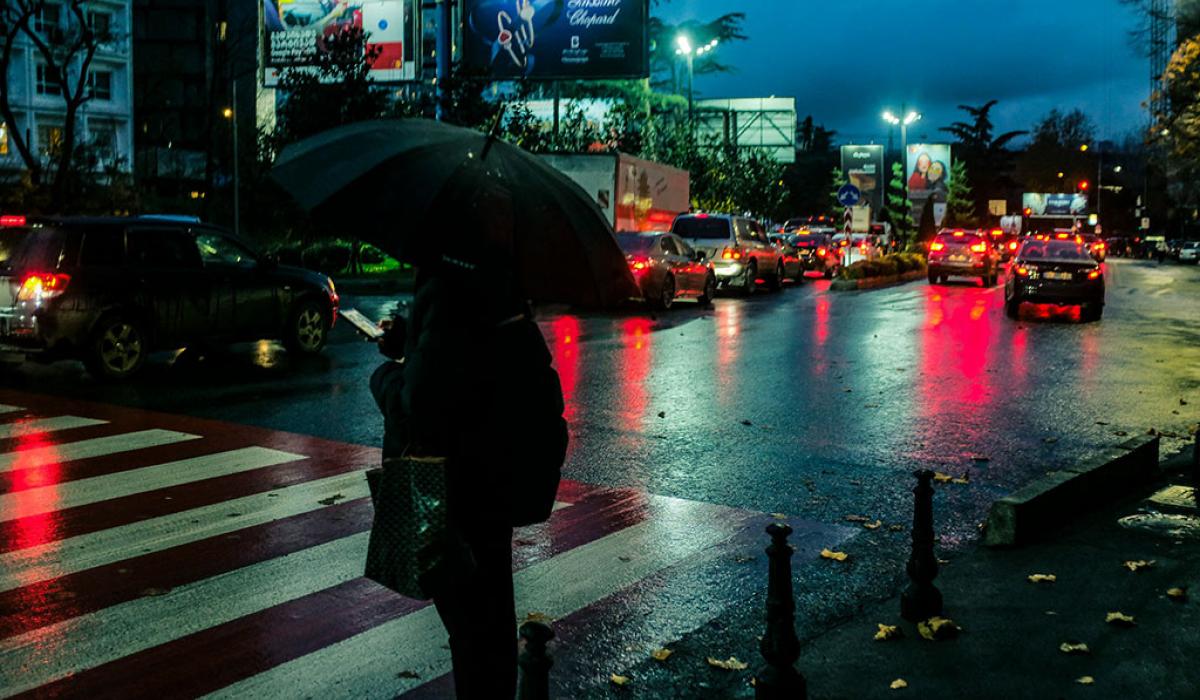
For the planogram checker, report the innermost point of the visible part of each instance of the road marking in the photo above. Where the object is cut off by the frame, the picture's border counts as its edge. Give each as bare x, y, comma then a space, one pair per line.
84, 449
46, 425
5, 408
47, 654
53, 559
71, 494
556, 587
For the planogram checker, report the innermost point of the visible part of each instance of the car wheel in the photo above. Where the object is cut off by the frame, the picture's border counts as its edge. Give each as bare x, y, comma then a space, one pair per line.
829, 271
933, 279
666, 294
1012, 308
749, 286
710, 291
1092, 311
307, 328
118, 348
776, 281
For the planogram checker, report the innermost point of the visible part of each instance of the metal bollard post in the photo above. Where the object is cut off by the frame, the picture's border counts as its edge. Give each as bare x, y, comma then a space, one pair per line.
780, 647
535, 662
1196, 468
922, 600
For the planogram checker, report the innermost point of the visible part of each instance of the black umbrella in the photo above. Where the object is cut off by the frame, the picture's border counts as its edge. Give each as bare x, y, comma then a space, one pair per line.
424, 190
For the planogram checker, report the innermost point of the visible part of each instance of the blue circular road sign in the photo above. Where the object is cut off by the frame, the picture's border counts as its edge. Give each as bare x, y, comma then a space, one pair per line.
849, 195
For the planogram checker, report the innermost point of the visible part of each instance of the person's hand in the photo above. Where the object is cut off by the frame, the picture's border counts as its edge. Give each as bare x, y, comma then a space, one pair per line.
395, 333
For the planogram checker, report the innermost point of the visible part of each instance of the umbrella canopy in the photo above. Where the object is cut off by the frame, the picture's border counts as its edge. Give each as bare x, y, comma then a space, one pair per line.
424, 191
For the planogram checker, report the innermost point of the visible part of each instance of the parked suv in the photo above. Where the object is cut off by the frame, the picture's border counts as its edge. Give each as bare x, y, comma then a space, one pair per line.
109, 291
738, 247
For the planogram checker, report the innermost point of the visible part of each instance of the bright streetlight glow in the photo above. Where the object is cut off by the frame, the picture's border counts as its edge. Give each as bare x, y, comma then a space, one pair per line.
1117, 169
227, 112
911, 117
1083, 148
890, 118
684, 44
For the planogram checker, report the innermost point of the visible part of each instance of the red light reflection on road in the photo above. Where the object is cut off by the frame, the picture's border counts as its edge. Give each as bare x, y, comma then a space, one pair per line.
565, 348
634, 364
821, 321
728, 324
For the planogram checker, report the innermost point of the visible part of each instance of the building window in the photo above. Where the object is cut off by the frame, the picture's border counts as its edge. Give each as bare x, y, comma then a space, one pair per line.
46, 83
48, 20
100, 24
100, 85
3, 139
50, 139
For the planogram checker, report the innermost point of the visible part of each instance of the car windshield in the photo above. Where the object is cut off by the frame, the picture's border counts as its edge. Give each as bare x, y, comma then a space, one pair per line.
636, 242
965, 239
701, 227
806, 242
1054, 250
22, 247
1191, 244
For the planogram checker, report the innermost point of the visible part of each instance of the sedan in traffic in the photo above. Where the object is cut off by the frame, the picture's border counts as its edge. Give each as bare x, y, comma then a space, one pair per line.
1060, 272
960, 253
667, 268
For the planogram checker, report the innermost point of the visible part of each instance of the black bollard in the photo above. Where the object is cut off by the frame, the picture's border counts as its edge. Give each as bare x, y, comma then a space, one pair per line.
535, 662
779, 679
922, 600
1196, 468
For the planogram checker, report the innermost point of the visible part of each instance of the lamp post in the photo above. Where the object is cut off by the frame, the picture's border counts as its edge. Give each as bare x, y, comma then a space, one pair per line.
231, 114
684, 48
909, 117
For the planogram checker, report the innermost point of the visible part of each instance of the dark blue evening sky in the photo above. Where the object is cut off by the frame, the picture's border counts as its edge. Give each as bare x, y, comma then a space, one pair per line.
846, 60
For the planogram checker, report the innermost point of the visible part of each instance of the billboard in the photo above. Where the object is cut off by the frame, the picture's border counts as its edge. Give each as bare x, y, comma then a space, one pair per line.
557, 39
296, 34
1054, 205
863, 168
928, 170
764, 123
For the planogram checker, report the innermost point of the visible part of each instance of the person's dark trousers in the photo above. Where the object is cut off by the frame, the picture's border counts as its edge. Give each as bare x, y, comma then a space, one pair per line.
479, 614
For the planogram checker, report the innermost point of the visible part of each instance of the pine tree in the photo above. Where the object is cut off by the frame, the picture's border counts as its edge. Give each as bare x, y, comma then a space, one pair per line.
837, 180
960, 206
898, 209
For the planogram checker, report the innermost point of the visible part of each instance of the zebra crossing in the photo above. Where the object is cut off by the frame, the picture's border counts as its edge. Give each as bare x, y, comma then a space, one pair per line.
149, 555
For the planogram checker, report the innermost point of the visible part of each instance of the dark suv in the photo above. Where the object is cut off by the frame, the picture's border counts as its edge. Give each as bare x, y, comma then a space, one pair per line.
741, 255
109, 291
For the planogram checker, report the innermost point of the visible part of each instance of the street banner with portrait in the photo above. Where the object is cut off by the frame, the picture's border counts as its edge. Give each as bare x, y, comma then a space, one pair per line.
927, 173
557, 39
862, 167
296, 34
1046, 204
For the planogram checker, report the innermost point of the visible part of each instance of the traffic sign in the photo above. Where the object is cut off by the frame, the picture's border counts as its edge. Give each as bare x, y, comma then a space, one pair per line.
849, 195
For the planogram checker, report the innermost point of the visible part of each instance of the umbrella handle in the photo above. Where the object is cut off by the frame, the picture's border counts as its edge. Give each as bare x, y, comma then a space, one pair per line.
493, 134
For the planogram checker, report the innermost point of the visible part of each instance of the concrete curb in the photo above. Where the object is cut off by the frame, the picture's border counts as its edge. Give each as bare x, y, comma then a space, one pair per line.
844, 285
1051, 501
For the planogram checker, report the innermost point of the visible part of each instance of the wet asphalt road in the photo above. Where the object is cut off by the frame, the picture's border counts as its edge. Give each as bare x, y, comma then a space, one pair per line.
809, 403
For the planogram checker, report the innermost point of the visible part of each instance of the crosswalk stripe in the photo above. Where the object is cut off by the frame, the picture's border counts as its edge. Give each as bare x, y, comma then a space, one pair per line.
52, 559
27, 661
84, 449
5, 408
71, 494
365, 666
46, 425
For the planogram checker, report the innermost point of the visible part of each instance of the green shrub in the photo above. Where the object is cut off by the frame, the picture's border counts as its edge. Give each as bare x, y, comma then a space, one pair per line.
886, 266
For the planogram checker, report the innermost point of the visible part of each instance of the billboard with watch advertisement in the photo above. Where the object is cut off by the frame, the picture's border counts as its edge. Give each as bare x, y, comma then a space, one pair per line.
296, 34
556, 39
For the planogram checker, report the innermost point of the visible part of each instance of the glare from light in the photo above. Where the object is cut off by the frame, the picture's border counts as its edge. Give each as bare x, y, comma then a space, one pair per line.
1117, 169
890, 118
684, 44
1083, 148
911, 117
227, 112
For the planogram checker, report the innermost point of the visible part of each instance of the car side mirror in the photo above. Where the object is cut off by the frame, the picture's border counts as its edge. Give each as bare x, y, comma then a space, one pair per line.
701, 256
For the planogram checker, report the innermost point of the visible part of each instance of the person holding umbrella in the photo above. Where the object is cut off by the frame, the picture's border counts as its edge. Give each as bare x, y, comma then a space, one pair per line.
471, 402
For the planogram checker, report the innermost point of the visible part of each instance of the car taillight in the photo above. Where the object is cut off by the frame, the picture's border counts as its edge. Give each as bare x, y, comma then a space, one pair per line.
731, 254
1099, 246
1012, 245
935, 246
1022, 271
638, 264
1093, 274
12, 220
39, 286
821, 252
978, 247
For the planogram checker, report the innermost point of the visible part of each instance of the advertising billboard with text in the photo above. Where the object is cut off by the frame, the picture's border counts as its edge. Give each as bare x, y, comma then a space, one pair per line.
862, 167
1055, 205
556, 39
296, 34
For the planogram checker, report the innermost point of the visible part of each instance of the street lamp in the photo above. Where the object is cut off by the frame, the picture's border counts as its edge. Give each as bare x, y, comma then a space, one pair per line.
910, 117
684, 48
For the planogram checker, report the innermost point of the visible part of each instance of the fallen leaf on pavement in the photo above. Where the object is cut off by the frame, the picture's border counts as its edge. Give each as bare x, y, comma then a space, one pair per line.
1120, 433
836, 556
746, 422
964, 479
537, 617
408, 675
1139, 564
857, 519
1182, 402
887, 632
1050, 440
661, 654
779, 516
618, 680
941, 478
873, 526
898, 684
730, 664
1069, 648
625, 558
1177, 594
331, 500
1085, 680
1100, 422
662, 414
1119, 619
1042, 578
938, 628
896, 528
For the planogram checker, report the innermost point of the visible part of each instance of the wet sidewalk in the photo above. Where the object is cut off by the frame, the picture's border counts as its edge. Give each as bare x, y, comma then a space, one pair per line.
1013, 630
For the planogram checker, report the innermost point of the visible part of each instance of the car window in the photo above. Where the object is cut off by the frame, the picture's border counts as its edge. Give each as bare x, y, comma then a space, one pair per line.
216, 249
757, 232
696, 227
668, 246
103, 247
684, 249
634, 242
20, 247
162, 247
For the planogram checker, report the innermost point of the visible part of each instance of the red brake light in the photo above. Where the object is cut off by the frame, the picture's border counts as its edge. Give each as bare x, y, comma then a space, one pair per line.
38, 286
821, 252
978, 247
1100, 245
1012, 245
1022, 271
12, 220
958, 233
997, 232
937, 245
702, 215
731, 254
1093, 274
